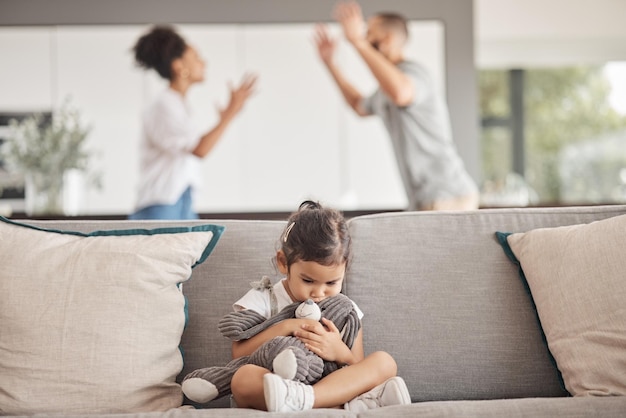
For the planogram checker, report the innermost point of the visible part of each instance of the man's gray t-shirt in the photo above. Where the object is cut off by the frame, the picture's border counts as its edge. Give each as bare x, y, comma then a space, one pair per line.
427, 158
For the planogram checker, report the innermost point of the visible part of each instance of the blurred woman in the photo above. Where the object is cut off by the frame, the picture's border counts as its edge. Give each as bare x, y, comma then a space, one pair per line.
171, 146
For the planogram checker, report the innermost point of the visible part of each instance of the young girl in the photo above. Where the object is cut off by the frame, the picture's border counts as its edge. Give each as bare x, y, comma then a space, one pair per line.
171, 146
314, 254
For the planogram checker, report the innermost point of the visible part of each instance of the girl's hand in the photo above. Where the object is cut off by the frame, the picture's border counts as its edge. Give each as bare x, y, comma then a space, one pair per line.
238, 96
324, 340
326, 45
292, 325
350, 17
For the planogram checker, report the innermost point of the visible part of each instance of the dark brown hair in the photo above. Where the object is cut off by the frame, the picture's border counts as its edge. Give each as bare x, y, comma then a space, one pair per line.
158, 48
316, 233
394, 22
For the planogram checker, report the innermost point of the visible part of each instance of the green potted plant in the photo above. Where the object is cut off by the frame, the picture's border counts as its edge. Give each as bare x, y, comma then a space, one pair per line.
45, 152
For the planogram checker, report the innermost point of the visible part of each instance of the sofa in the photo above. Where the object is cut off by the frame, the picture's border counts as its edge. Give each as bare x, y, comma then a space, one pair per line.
441, 292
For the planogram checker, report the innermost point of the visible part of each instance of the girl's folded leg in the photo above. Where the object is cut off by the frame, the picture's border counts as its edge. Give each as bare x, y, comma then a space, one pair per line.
347, 383
247, 387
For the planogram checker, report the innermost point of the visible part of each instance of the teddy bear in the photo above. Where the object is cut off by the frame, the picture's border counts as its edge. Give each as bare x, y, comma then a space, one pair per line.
286, 356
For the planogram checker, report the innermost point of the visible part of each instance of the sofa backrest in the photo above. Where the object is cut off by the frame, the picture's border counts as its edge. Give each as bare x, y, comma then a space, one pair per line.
440, 295
244, 254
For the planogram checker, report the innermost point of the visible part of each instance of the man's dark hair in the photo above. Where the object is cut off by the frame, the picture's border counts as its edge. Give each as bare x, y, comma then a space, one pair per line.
394, 22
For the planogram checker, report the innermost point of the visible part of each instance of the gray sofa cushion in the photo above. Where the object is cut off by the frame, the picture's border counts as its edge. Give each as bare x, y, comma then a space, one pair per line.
244, 254
453, 311
221, 413
586, 407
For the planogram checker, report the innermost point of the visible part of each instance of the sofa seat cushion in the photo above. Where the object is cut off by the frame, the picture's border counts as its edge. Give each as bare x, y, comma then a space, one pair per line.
576, 277
92, 322
511, 408
220, 413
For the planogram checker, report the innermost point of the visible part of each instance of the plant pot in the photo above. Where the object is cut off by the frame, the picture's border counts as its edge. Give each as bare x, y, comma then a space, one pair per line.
44, 193
53, 194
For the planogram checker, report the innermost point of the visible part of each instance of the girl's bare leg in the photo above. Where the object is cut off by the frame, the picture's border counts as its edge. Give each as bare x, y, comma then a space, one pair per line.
247, 387
349, 382
332, 391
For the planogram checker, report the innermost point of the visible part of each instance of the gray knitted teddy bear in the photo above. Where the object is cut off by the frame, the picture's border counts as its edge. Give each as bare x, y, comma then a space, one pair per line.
285, 356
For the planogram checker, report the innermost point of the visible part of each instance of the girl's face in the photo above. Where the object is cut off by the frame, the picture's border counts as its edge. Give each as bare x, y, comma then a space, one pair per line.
311, 280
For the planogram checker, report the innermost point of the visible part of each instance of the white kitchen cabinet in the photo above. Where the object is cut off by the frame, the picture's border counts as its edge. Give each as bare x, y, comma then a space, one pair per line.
26, 73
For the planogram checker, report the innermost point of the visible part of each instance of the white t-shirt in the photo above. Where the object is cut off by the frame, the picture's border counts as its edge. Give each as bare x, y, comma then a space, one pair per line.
167, 166
259, 300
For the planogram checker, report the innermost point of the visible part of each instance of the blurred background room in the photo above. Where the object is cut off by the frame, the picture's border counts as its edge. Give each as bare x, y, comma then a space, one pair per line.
536, 92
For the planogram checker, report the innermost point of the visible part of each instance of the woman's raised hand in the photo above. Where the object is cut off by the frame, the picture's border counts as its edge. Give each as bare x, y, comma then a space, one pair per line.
239, 95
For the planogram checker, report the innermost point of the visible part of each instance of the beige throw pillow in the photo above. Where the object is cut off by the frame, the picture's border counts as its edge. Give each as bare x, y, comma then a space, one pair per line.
92, 323
577, 277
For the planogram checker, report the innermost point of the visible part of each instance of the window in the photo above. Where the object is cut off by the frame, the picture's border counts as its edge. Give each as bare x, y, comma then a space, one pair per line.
554, 136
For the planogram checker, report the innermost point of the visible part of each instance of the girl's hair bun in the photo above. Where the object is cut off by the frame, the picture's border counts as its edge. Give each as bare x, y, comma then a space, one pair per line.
316, 233
309, 204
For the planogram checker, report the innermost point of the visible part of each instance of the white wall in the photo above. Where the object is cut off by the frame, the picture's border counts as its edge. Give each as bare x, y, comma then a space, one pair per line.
295, 139
26, 72
516, 33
